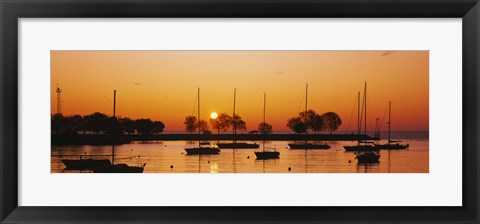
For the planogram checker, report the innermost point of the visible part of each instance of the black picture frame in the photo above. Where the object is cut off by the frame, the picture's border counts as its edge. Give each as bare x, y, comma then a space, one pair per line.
11, 11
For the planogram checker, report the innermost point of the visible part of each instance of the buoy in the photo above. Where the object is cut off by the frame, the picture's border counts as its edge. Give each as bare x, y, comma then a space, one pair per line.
171, 166
289, 169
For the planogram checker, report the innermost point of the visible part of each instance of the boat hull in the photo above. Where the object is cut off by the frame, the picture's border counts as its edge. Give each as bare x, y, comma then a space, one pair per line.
118, 168
202, 151
85, 164
267, 155
237, 146
309, 146
360, 148
391, 146
368, 157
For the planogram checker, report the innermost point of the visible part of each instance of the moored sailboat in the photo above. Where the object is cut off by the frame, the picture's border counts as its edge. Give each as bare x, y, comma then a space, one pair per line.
102, 165
367, 147
234, 144
202, 149
368, 157
389, 145
84, 164
307, 145
267, 152
121, 167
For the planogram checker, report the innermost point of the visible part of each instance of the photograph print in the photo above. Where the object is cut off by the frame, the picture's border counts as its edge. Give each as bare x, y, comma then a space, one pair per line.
239, 111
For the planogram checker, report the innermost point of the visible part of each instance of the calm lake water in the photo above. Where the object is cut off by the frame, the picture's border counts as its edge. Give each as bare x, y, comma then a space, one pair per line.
160, 156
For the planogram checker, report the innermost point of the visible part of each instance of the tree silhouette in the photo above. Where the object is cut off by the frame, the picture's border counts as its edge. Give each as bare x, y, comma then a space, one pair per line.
307, 118
332, 121
81, 124
96, 122
190, 123
113, 126
73, 123
158, 127
128, 125
221, 123
264, 128
311, 120
215, 123
57, 123
317, 123
241, 125
100, 123
144, 126
297, 125
203, 126
238, 123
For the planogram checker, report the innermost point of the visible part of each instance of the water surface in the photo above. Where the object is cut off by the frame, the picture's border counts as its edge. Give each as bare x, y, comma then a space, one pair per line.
170, 157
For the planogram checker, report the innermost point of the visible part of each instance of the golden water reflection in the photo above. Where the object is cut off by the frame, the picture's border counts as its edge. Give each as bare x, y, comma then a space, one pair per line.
170, 157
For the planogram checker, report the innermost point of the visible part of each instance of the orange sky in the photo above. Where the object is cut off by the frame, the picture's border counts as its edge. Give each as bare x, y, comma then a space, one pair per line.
162, 85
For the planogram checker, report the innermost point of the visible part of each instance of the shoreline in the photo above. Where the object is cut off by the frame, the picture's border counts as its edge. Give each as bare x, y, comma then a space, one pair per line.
98, 139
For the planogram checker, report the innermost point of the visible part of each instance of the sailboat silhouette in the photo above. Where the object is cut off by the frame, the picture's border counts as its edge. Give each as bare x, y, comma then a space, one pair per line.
367, 147
235, 144
306, 145
266, 153
201, 149
389, 144
122, 167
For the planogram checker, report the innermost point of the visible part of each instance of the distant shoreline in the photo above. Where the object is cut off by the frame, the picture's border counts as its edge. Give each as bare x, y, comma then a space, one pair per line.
97, 139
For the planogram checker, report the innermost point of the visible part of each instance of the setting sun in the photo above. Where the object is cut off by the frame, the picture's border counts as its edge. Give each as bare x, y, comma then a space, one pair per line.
214, 115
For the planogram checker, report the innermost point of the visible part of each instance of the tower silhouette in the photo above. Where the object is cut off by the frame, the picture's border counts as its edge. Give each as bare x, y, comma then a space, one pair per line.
59, 100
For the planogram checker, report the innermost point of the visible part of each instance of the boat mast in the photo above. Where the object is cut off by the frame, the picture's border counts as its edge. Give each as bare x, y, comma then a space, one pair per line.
305, 117
389, 115
199, 131
264, 102
306, 102
264, 125
113, 154
365, 101
358, 118
306, 128
114, 101
234, 102
114, 105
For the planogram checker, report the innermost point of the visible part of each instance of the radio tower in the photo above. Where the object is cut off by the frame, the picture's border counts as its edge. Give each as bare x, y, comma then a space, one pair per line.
59, 100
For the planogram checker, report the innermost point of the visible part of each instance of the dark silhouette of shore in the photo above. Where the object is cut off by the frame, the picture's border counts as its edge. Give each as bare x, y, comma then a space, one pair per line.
99, 139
